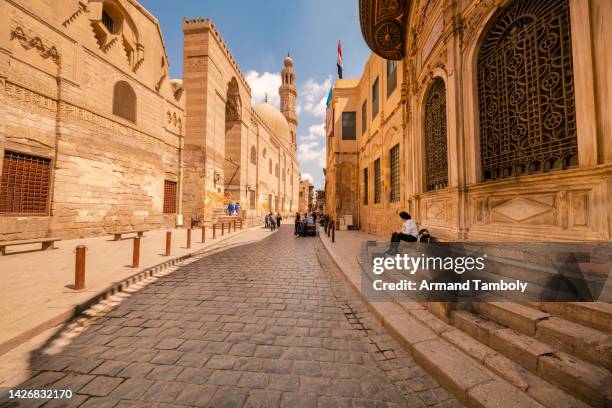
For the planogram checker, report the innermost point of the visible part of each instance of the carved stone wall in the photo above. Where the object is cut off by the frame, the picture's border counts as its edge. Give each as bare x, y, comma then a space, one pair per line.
527, 137
56, 89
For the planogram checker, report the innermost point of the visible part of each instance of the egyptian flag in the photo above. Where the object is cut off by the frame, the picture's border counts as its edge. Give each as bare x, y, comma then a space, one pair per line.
339, 62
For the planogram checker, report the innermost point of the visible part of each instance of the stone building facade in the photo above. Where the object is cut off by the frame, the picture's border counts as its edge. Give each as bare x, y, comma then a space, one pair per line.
234, 151
306, 195
91, 129
501, 120
96, 138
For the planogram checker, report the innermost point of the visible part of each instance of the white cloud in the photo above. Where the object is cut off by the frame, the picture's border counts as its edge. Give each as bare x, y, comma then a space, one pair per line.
316, 133
311, 152
307, 176
313, 96
262, 84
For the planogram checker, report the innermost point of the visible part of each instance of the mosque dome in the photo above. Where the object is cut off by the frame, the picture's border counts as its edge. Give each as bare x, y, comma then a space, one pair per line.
274, 120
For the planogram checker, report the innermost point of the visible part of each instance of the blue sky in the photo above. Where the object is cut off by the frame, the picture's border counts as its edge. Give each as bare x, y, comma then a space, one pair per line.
260, 33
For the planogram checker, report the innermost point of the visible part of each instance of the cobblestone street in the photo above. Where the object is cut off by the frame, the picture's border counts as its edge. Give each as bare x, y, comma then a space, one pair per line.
260, 325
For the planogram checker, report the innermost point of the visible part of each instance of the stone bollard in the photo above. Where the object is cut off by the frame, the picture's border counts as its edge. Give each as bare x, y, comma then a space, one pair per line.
214, 230
333, 231
168, 242
79, 267
222, 228
241, 223
234, 225
188, 238
203, 234
136, 253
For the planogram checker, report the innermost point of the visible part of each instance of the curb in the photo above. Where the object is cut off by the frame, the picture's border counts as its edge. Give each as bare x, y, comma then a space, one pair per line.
421, 334
110, 290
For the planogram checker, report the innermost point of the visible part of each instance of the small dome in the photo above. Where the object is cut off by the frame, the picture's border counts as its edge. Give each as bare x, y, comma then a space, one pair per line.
288, 61
274, 120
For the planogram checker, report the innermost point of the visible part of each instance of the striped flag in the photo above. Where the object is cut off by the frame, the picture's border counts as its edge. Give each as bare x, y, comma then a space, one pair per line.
339, 62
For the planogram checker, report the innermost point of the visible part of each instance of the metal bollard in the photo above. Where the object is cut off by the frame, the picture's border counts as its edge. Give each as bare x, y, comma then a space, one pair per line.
168, 242
79, 267
214, 230
241, 223
136, 253
234, 225
203, 234
188, 238
334, 231
222, 228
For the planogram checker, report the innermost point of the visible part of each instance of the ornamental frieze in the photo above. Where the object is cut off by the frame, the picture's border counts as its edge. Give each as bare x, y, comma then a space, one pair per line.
382, 26
34, 42
29, 99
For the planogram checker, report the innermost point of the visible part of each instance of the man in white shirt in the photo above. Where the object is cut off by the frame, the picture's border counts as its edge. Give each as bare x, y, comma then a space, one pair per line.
408, 233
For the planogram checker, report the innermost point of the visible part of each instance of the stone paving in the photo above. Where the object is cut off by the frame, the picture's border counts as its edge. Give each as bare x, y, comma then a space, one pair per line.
267, 324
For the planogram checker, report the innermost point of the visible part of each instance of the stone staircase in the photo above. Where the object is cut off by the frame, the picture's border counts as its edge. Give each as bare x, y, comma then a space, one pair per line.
555, 355
541, 344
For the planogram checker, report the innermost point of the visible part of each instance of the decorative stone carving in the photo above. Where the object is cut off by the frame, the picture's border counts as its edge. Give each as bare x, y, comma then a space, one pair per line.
382, 26
28, 42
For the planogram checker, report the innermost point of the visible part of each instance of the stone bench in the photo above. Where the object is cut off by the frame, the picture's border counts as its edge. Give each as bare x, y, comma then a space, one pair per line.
118, 235
47, 243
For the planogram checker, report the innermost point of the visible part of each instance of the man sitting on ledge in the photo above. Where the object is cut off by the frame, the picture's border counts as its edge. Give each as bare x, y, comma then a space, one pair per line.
408, 233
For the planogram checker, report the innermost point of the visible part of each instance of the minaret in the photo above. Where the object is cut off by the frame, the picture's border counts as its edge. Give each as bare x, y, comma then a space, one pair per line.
288, 95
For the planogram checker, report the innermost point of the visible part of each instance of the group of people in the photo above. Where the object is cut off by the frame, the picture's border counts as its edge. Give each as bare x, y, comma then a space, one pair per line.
302, 223
272, 221
232, 209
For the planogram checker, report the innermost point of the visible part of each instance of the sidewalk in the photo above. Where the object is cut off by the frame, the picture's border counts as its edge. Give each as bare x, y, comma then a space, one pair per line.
36, 292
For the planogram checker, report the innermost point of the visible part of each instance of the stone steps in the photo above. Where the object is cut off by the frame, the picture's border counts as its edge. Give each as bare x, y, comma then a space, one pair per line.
597, 315
499, 358
589, 382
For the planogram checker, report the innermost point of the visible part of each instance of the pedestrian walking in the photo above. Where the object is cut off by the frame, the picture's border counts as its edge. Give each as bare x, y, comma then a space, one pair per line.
272, 222
236, 208
278, 219
230, 208
266, 221
296, 226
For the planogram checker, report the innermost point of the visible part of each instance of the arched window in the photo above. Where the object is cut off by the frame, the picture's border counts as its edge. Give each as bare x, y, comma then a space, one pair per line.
253, 155
436, 161
526, 91
124, 101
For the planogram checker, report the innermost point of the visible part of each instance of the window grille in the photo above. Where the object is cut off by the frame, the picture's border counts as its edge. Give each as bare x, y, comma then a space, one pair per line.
526, 91
169, 197
24, 186
436, 160
394, 161
377, 182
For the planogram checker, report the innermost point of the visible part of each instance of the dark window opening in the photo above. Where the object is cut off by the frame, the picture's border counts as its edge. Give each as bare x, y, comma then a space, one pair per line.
349, 126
